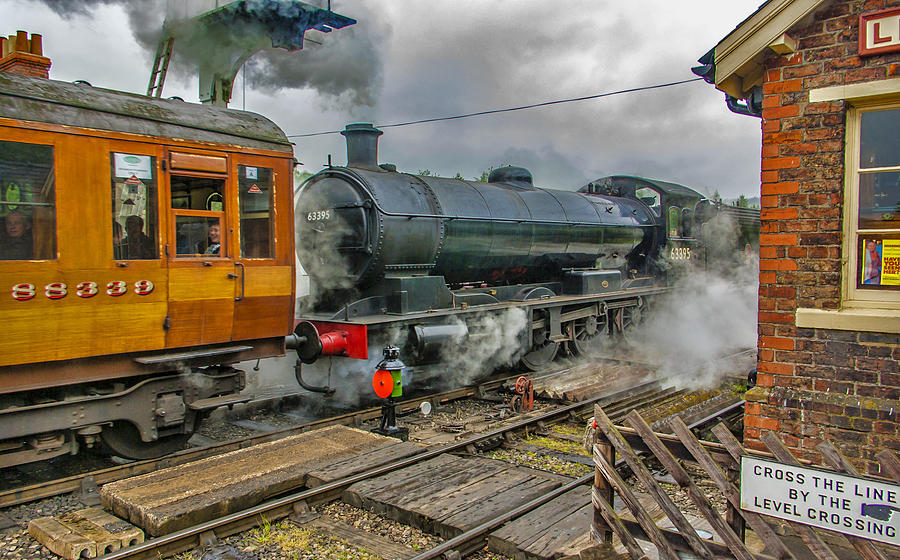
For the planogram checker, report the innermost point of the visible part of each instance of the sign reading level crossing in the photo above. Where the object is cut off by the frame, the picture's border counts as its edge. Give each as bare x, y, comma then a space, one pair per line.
847, 504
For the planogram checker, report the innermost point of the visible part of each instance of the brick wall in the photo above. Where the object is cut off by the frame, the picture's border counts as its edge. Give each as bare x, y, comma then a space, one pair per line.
816, 384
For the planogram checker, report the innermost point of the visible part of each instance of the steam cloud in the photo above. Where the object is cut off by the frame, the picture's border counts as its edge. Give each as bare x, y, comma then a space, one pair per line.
347, 67
705, 317
318, 242
494, 341
708, 314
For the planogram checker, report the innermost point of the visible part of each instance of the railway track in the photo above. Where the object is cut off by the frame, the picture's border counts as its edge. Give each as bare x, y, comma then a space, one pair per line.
282, 507
617, 404
90, 479
76, 483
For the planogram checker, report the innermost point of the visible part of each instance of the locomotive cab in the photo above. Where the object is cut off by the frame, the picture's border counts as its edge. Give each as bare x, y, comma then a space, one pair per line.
674, 211
146, 245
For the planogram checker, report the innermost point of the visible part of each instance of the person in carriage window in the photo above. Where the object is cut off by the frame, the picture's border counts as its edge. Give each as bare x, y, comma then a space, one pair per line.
213, 245
137, 244
17, 244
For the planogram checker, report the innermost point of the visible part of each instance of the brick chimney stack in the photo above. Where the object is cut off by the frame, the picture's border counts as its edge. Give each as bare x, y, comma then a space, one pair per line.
21, 55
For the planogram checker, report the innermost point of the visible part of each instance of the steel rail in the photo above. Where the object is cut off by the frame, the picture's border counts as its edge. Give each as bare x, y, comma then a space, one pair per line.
464, 540
190, 537
717, 414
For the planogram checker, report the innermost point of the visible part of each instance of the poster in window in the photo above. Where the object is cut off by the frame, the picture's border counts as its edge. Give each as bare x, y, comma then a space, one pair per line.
879, 263
890, 262
871, 269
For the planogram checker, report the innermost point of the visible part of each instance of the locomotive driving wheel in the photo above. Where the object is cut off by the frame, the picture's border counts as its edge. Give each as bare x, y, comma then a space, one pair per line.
124, 440
627, 318
588, 334
542, 350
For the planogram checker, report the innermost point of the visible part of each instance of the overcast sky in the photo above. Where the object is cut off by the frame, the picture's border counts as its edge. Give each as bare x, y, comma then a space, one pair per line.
413, 59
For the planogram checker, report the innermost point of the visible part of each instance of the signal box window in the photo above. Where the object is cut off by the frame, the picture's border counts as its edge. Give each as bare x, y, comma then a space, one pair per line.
27, 202
877, 217
255, 187
198, 205
135, 227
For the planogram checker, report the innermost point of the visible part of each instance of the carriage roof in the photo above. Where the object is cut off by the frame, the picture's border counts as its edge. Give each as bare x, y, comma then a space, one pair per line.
69, 104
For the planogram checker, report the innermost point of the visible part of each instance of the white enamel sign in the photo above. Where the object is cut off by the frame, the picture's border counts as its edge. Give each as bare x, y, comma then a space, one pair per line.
851, 505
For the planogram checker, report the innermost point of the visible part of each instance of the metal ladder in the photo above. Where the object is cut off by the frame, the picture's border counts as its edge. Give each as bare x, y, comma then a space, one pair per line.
160, 67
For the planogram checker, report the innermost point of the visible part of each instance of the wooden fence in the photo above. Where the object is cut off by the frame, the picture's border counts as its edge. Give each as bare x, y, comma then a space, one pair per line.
721, 464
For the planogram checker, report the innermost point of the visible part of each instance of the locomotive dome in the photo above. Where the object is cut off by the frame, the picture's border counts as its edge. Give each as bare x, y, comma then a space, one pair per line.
511, 174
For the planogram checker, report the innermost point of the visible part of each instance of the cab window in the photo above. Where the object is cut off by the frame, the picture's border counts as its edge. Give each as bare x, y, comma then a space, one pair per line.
649, 197
674, 221
687, 221
135, 227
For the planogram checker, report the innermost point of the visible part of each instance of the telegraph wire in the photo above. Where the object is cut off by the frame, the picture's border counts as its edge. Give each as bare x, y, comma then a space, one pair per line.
510, 109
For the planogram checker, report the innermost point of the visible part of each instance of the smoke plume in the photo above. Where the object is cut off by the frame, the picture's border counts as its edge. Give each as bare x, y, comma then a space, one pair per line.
346, 66
706, 316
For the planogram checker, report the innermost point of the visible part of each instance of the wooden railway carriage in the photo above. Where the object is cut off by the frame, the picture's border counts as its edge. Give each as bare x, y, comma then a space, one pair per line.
121, 306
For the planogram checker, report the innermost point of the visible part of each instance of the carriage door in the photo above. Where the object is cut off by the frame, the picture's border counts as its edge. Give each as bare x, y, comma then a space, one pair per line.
202, 275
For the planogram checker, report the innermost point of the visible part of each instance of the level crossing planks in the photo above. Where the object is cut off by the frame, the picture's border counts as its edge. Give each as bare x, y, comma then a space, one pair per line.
189, 494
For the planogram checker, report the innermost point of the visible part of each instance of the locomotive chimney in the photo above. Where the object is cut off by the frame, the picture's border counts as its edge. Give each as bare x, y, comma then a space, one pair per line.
20, 54
362, 144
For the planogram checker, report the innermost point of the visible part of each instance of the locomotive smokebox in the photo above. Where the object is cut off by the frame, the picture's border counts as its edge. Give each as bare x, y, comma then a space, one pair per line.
362, 145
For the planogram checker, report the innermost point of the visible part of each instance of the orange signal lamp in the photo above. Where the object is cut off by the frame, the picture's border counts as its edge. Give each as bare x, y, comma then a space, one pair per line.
388, 381
383, 383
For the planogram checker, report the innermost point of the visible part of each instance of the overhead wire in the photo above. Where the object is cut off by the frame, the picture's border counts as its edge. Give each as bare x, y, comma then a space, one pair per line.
510, 109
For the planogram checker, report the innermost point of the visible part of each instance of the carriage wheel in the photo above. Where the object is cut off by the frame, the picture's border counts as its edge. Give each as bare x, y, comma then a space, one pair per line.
542, 350
124, 440
588, 333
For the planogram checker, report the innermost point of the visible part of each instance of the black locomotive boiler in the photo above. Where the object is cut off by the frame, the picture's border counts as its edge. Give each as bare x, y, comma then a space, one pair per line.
424, 257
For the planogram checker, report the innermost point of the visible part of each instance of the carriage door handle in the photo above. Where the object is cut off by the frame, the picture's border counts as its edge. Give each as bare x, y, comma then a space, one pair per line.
233, 276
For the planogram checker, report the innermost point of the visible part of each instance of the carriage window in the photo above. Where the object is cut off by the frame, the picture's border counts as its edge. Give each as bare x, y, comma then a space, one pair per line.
649, 197
199, 208
27, 202
135, 227
198, 193
255, 186
198, 235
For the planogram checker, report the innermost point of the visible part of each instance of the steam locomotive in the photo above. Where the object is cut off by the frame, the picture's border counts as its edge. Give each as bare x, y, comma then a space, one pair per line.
419, 261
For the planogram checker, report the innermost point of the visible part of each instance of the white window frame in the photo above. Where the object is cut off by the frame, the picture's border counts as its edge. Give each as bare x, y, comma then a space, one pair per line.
861, 309
853, 296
